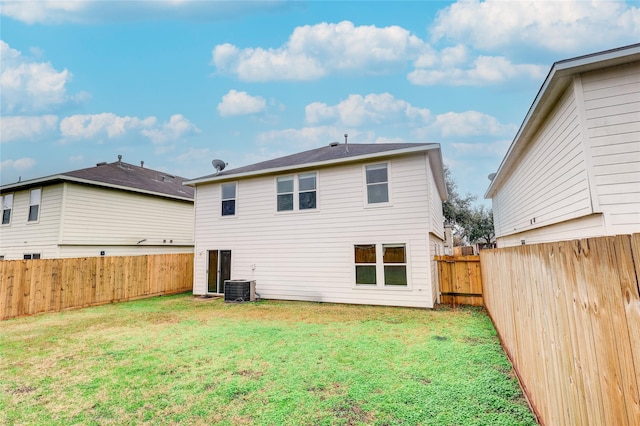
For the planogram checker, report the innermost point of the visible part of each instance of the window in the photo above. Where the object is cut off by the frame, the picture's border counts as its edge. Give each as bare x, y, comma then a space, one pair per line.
377, 184
7, 205
229, 199
305, 185
34, 204
307, 191
395, 264
392, 269
365, 264
285, 193
30, 256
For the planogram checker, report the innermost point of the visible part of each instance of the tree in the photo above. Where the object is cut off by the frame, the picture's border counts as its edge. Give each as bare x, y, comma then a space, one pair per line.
480, 226
457, 210
469, 224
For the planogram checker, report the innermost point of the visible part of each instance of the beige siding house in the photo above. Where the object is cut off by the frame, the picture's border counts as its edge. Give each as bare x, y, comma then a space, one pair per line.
356, 223
573, 170
113, 209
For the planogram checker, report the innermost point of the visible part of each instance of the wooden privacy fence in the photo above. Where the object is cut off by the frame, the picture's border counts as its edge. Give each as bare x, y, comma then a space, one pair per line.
568, 315
29, 287
460, 280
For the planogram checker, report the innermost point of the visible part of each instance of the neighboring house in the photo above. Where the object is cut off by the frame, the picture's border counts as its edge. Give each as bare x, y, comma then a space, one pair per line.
573, 170
110, 209
347, 223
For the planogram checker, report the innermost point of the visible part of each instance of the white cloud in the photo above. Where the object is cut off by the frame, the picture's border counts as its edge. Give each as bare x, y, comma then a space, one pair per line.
465, 124
86, 126
240, 103
559, 26
315, 51
76, 158
91, 11
482, 71
21, 164
358, 110
25, 127
495, 149
29, 86
177, 127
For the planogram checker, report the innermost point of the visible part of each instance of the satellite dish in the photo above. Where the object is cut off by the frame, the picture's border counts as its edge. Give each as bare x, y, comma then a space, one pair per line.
219, 165
491, 176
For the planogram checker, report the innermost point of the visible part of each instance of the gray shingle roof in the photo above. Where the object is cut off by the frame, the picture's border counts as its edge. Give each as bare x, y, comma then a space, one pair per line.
327, 153
119, 174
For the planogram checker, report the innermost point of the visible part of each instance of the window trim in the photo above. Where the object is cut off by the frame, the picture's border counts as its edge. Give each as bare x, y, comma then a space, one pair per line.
235, 199
380, 267
365, 186
296, 192
2, 209
37, 219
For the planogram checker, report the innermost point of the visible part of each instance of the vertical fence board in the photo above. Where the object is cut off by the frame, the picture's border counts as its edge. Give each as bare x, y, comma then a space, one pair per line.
568, 315
28, 287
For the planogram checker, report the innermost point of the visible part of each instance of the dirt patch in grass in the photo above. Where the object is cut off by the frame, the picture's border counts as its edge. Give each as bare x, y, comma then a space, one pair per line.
184, 360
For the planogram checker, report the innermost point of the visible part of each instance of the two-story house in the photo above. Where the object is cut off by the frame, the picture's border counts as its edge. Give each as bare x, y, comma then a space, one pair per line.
113, 209
347, 223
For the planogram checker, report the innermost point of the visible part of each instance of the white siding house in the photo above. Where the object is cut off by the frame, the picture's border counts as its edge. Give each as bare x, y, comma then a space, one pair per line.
114, 209
573, 170
356, 223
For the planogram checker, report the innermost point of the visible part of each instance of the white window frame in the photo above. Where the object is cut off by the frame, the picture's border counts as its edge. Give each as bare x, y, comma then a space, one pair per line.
296, 192
387, 203
223, 199
380, 266
2, 205
31, 204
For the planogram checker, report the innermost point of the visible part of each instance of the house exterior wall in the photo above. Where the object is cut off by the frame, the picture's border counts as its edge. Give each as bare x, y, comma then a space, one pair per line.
550, 183
582, 227
81, 220
97, 219
21, 237
580, 175
612, 112
309, 255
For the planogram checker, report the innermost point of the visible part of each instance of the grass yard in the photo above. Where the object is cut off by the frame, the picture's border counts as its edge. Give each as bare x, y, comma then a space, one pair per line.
186, 360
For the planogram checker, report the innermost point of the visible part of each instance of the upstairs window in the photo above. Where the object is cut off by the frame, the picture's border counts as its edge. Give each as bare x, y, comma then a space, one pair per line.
297, 192
34, 204
7, 205
285, 193
307, 191
377, 184
229, 199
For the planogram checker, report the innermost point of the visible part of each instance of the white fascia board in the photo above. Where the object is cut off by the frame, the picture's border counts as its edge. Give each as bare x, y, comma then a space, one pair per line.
557, 79
392, 153
64, 178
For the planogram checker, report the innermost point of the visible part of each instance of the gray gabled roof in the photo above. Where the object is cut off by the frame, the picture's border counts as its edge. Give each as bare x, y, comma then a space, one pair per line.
559, 77
117, 175
332, 154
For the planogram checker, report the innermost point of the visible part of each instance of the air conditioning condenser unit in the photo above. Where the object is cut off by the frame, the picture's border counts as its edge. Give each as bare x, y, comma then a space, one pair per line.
239, 291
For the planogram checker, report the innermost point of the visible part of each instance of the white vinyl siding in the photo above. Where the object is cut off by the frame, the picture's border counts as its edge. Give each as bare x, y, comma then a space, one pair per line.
583, 227
612, 108
97, 216
549, 185
33, 237
310, 256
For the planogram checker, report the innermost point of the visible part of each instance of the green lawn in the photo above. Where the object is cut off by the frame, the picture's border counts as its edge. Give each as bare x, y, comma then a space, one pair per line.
186, 360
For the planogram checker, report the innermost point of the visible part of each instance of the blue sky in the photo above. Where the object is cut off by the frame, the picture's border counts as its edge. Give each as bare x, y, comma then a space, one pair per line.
179, 83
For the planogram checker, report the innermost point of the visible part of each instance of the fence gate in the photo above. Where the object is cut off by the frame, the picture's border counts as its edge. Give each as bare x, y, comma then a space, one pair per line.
460, 280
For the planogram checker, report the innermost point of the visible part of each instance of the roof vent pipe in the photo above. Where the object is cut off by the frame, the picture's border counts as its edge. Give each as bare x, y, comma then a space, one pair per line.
119, 158
345, 142
142, 163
